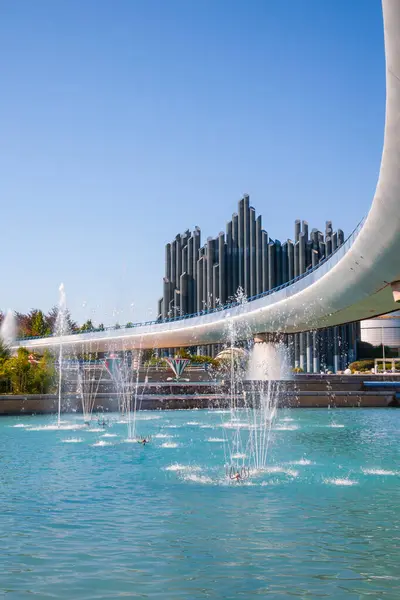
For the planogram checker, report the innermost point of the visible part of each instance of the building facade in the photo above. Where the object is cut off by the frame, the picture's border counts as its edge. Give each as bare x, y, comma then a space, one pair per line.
382, 330
246, 260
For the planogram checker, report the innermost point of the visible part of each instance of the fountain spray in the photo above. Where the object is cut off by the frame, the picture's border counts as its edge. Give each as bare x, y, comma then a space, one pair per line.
8, 329
60, 330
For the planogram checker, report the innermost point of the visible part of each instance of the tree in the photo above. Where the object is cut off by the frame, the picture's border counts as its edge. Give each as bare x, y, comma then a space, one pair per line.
88, 326
18, 369
34, 323
26, 373
39, 324
4, 379
23, 324
43, 374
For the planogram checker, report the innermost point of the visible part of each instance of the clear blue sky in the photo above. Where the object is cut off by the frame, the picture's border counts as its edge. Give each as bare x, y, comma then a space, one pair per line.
125, 122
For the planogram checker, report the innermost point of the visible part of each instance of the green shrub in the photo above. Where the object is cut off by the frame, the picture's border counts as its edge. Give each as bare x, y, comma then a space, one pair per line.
27, 373
362, 365
183, 353
199, 359
155, 361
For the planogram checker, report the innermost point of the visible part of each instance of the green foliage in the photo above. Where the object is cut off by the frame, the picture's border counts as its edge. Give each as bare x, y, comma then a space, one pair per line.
5, 385
26, 373
147, 355
183, 353
199, 359
87, 326
155, 361
85, 356
362, 365
215, 364
43, 375
17, 369
39, 325
4, 350
90, 326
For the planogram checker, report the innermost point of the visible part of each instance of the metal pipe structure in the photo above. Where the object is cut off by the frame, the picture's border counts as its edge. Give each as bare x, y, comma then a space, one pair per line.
258, 257
252, 252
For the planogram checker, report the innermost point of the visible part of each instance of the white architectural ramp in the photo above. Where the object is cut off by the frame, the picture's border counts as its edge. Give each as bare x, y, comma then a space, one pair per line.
354, 283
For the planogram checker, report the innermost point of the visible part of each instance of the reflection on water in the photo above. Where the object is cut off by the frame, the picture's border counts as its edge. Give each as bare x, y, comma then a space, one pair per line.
95, 517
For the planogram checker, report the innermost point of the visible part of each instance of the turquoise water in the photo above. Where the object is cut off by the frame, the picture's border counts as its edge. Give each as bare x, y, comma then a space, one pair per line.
93, 517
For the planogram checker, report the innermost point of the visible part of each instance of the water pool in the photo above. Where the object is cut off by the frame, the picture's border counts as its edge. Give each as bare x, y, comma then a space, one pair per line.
85, 514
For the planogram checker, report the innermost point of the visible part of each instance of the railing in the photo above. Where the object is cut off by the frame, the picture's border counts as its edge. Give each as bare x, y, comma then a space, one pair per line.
348, 241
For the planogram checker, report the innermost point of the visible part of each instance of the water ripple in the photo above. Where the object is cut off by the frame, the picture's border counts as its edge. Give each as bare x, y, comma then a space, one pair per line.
100, 523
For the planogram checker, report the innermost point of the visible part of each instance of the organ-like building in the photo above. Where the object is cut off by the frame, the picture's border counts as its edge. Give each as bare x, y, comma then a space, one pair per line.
245, 258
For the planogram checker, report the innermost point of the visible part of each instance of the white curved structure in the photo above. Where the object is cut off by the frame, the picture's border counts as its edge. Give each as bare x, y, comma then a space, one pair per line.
353, 284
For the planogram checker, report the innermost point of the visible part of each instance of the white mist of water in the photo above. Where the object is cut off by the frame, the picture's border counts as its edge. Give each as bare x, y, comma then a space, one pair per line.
268, 366
268, 362
89, 378
125, 375
235, 448
61, 328
8, 329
